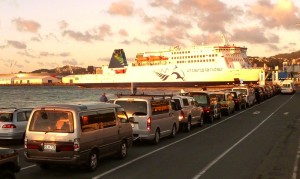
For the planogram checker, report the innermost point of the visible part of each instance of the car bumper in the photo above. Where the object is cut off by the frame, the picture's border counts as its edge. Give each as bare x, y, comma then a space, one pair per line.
11, 136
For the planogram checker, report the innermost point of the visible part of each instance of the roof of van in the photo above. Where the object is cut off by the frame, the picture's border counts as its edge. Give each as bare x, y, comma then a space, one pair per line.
79, 105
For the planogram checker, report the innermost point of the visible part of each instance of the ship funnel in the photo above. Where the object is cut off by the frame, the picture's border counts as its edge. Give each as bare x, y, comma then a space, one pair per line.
118, 59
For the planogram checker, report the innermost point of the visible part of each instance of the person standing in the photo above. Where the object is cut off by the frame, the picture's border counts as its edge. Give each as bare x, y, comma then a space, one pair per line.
103, 98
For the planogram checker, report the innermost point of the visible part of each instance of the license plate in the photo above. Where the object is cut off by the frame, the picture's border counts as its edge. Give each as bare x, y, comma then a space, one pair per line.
134, 126
50, 147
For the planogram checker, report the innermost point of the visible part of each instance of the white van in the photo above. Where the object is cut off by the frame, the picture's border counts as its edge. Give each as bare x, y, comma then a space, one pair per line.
77, 134
288, 87
152, 117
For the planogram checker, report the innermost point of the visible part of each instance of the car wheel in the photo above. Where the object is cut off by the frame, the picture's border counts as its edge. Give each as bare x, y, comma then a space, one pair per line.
92, 162
5, 173
201, 121
173, 132
228, 112
220, 115
156, 137
123, 150
239, 107
188, 126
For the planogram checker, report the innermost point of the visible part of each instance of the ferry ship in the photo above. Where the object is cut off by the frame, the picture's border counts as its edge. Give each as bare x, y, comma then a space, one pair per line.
174, 67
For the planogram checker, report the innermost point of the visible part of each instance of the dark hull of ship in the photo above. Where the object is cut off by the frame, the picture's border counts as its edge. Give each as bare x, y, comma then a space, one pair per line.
161, 84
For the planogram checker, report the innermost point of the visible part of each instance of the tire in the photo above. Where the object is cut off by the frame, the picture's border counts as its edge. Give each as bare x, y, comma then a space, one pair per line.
188, 126
220, 115
211, 118
201, 121
7, 174
156, 137
239, 107
123, 150
173, 132
92, 162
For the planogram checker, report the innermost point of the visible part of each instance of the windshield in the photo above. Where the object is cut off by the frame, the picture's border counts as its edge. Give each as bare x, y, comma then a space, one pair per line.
52, 121
6, 117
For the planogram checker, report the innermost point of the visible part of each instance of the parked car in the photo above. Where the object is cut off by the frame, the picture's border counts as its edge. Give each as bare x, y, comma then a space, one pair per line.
152, 116
210, 104
77, 134
9, 163
227, 103
13, 122
259, 94
288, 87
239, 100
191, 112
247, 92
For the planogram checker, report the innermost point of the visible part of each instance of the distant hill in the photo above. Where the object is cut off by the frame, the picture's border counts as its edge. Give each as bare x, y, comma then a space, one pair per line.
289, 56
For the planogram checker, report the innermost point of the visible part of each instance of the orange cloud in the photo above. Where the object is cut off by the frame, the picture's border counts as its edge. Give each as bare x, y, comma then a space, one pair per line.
123, 8
26, 25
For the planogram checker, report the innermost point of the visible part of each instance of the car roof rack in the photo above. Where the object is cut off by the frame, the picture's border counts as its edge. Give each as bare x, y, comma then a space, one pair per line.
144, 95
14, 108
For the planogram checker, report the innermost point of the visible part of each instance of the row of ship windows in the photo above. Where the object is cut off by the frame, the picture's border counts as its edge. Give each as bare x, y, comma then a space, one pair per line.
195, 56
217, 50
196, 61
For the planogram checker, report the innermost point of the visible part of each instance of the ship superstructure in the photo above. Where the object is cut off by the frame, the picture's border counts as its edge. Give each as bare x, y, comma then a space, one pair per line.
194, 66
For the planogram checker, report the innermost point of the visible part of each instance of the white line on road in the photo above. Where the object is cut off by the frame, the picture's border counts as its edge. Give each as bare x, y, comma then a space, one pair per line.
238, 142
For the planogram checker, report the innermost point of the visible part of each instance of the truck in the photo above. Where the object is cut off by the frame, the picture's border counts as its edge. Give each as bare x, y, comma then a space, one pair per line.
9, 163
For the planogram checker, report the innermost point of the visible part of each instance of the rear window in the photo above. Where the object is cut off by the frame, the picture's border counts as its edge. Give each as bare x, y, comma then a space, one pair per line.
138, 108
6, 117
52, 121
201, 99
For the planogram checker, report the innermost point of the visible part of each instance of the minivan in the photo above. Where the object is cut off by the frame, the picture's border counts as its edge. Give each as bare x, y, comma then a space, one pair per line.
152, 116
77, 134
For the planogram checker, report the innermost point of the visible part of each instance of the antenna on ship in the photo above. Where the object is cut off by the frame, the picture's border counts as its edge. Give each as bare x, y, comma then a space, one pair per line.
225, 41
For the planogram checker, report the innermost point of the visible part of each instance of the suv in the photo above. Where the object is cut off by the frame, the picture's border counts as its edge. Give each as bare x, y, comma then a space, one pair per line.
9, 163
247, 92
239, 100
77, 134
13, 123
152, 116
191, 112
227, 103
210, 104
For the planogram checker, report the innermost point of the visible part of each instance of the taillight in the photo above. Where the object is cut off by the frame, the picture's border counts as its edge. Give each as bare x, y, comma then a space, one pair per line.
149, 123
32, 146
76, 145
206, 110
25, 142
181, 116
224, 105
11, 126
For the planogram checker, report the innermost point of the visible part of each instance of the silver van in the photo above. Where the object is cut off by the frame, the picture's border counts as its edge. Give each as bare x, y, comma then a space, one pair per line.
77, 134
152, 116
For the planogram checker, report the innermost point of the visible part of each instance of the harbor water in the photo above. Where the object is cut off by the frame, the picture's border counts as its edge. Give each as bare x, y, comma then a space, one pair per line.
32, 96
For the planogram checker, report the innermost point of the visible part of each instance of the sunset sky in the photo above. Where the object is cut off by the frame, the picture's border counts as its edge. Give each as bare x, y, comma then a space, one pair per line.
37, 34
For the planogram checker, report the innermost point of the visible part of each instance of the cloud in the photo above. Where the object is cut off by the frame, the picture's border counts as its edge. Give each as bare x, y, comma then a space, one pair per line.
47, 54
102, 32
86, 37
72, 62
122, 8
16, 44
283, 13
26, 25
250, 34
123, 32
63, 24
